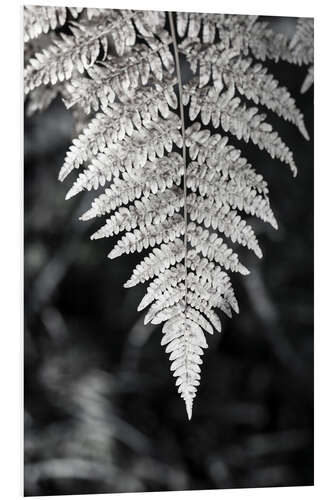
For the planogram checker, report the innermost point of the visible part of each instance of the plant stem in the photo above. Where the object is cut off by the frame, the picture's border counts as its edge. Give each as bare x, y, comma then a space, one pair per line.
176, 54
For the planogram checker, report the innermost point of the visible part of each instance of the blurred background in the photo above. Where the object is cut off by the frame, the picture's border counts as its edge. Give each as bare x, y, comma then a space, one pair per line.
102, 413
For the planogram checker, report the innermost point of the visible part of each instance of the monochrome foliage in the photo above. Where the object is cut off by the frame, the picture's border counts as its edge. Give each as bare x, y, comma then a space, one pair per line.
179, 193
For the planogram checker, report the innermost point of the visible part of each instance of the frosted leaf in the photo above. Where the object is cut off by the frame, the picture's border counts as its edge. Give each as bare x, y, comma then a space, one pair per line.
57, 62
116, 70
112, 125
157, 261
39, 20
214, 248
225, 220
245, 123
152, 210
138, 182
149, 236
308, 81
153, 140
252, 80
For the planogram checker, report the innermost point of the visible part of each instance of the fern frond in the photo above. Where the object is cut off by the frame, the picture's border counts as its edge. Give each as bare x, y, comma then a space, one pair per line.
241, 198
222, 158
308, 81
302, 41
149, 236
147, 143
208, 272
264, 43
169, 279
244, 33
210, 297
119, 70
227, 221
152, 210
184, 340
157, 262
245, 123
214, 248
248, 35
57, 62
121, 76
205, 273
225, 67
80, 51
118, 120
147, 22
232, 27
38, 20
157, 175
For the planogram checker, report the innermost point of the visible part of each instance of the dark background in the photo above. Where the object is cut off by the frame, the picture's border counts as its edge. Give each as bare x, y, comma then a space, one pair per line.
101, 410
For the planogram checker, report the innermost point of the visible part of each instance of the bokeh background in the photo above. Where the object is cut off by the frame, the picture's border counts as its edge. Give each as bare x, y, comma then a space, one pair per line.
101, 410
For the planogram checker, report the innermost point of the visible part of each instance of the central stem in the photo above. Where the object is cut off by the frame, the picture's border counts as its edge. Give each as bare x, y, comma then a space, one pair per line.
188, 398
181, 107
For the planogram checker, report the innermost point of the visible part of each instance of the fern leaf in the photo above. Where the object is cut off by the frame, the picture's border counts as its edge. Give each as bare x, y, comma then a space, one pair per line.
225, 67
150, 142
245, 123
118, 120
57, 62
184, 340
157, 262
149, 236
208, 272
169, 279
38, 20
302, 41
308, 81
211, 25
120, 69
80, 51
213, 247
245, 198
204, 210
152, 210
244, 33
156, 176
121, 76
222, 158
